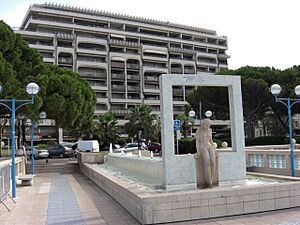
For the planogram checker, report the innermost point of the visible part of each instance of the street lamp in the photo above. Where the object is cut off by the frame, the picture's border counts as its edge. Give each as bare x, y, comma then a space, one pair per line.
192, 115
288, 102
208, 113
31, 89
32, 124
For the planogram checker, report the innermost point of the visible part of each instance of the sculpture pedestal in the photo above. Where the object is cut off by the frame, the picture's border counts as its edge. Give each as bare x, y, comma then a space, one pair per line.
200, 171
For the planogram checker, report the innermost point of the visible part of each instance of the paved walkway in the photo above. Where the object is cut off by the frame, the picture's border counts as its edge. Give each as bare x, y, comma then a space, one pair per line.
73, 199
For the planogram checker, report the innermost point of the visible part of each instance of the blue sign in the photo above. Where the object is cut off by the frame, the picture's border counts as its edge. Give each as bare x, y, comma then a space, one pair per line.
177, 124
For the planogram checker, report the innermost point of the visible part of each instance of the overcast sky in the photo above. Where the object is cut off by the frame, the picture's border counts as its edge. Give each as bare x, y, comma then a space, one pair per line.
260, 32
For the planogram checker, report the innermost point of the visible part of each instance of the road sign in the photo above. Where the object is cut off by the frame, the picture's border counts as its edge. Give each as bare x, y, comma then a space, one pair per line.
176, 125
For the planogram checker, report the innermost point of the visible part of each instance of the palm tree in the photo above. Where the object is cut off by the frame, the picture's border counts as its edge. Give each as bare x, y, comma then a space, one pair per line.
106, 129
185, 119
141, 120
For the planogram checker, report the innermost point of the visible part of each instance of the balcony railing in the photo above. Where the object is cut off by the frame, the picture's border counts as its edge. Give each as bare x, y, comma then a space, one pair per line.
176, 70
177, 92
151, 78
118, 88
120, 111
189, 71
118, 76
133, 77
65, 60
133, 66
117, 64
134, 88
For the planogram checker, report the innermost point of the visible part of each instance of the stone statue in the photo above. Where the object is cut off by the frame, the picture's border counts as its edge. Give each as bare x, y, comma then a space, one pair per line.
206, 158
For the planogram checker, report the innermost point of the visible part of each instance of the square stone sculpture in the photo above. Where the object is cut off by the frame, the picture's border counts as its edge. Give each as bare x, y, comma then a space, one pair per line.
179, 171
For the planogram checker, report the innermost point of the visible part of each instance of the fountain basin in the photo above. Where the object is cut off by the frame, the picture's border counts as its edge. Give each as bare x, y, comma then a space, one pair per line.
152, 205
137, 165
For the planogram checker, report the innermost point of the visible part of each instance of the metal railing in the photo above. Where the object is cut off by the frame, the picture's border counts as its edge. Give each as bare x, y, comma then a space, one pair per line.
5, 185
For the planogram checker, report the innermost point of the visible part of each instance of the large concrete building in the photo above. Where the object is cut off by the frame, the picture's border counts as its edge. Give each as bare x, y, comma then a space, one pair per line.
121, 56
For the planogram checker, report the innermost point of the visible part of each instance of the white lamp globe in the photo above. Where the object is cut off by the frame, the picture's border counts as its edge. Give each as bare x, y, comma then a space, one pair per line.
42, 115
275, 89
32, 88
192, 113
208, 113
297, 90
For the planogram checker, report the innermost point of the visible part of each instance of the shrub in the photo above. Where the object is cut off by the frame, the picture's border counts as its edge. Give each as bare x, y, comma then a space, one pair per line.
187, 145
267, 140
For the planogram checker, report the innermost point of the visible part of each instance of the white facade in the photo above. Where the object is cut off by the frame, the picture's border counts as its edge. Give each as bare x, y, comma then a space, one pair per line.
121, 56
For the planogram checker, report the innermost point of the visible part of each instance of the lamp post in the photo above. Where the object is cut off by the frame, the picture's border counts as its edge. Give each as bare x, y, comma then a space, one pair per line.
208, 113
288, 102
31, 89
192, 115
32, 124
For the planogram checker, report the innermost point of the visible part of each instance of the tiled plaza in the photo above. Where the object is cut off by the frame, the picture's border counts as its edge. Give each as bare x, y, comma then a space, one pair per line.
73, 199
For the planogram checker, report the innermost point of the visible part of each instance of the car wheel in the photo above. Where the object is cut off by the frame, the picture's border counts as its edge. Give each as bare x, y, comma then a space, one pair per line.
61, 155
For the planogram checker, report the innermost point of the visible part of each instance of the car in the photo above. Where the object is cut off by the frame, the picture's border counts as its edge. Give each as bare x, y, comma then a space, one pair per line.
38, 153
129, 147
60, 151
154, 146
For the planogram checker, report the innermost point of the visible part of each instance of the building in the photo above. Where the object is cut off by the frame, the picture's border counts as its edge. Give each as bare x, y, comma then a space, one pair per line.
122, 56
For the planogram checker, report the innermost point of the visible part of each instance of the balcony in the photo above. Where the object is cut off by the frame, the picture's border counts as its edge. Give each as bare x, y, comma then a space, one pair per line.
118, 76
133, 88
115, 87
133, 66
189, 70
117, 65
133, 77
176, 70
63, 60
178, 92
93, 75
151, 78
120, 112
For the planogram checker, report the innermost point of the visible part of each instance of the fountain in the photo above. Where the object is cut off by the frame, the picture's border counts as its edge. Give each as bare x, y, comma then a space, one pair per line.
164, 189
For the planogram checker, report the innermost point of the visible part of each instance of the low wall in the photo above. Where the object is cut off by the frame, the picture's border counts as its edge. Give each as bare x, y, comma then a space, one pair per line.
162, 207
20, 165
91, 157
272, 160
146, 167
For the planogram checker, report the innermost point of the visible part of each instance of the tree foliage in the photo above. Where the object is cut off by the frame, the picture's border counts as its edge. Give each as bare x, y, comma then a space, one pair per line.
258, 102
64, 96
142, 119
106, 129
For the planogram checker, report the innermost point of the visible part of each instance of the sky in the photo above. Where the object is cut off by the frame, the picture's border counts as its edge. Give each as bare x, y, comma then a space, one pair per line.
259, 32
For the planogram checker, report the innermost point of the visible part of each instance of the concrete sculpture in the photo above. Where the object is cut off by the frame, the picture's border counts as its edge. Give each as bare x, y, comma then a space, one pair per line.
206, 158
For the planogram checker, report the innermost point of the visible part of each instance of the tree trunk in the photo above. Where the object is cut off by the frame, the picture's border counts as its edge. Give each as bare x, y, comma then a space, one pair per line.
249, 126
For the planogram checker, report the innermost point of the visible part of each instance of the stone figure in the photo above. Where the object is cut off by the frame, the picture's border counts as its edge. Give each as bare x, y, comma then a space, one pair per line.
206, 162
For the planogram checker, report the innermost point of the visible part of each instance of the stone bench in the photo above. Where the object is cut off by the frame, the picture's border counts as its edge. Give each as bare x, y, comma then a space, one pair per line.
27, 180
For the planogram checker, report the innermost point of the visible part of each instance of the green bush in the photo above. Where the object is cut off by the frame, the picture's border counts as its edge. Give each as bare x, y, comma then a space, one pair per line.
266, 140
41, 146
187, 145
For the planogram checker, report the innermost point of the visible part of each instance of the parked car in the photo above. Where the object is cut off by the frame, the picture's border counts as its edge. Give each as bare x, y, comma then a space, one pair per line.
154, 146
60, 151
130, 147
38, 153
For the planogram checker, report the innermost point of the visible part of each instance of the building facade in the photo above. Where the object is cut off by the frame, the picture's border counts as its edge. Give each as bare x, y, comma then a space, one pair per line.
122, 57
